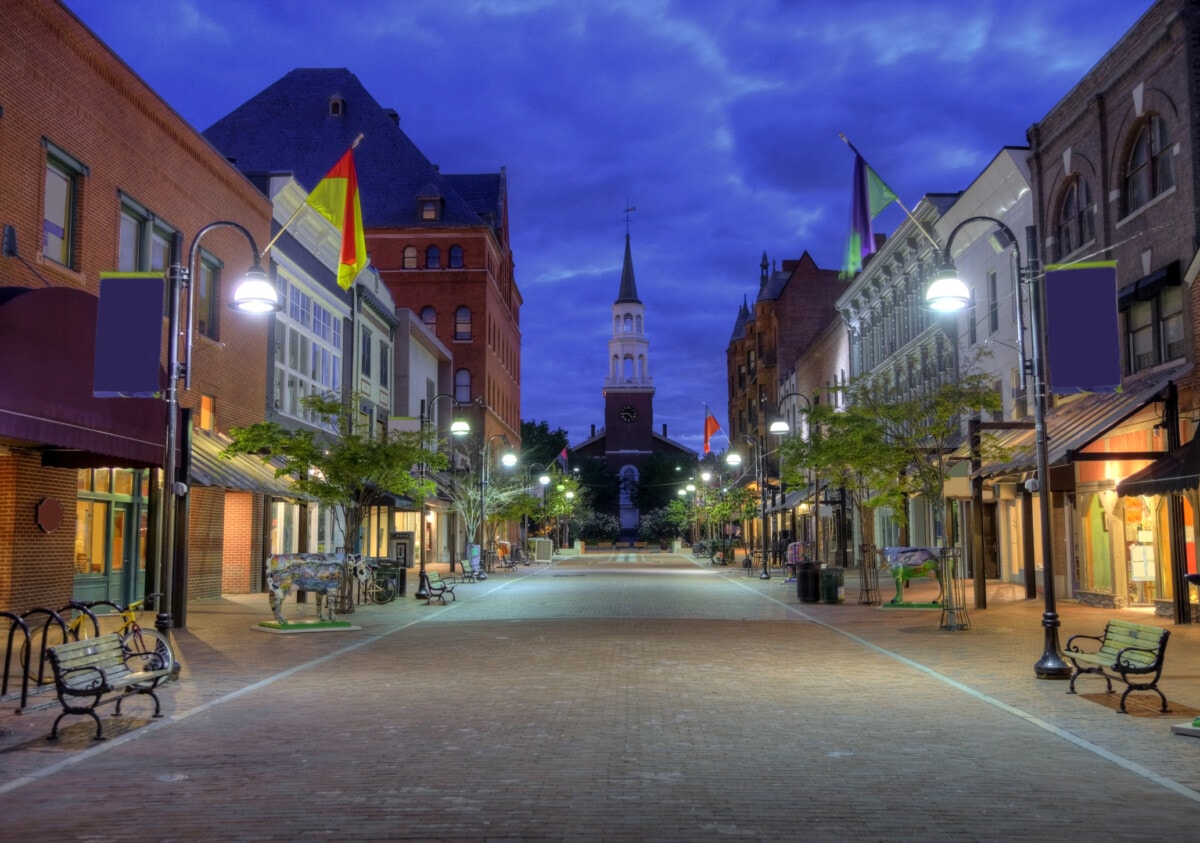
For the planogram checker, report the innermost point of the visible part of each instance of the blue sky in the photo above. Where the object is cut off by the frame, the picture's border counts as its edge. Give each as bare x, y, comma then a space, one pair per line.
717, 120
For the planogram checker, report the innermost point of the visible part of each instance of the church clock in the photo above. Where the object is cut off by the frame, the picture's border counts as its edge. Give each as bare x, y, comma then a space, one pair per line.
629, 413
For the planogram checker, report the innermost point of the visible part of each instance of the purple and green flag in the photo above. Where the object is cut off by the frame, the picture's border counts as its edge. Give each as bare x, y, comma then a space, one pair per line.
871, 196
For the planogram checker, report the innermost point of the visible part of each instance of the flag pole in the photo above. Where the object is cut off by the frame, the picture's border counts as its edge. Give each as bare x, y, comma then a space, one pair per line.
915, 221
296, 213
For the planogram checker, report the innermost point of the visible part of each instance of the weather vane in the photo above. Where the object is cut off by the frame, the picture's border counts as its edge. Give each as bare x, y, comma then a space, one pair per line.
629, 209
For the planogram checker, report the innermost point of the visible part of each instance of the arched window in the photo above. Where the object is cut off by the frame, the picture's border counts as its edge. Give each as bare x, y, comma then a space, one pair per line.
433, 258
639, 323
410, 257
628, 369
456, 257
1076, 218
628, 324
429, 317
462, 323
1149, 170
615, 368
462, 386
616, 324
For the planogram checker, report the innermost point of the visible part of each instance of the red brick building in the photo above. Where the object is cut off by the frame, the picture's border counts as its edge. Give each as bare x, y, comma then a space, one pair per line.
97, 173
795, 304
1114, 177
440, 242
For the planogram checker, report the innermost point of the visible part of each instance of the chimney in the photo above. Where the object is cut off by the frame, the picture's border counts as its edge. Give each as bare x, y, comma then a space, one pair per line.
664, 430
593, 430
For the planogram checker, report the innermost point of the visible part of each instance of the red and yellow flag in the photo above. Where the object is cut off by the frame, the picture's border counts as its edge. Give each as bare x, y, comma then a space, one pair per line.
336, 199
710, 427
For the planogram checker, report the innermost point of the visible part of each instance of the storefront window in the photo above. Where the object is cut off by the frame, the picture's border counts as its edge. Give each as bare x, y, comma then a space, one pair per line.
1097, 574
91, 523
1143, 550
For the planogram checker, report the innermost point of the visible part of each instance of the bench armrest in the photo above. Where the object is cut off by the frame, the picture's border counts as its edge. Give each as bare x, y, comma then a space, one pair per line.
84, 685
1075, 649
1120, 661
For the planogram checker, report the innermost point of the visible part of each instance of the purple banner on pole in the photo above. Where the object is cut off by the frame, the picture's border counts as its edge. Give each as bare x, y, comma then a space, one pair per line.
1083, 338
129, 336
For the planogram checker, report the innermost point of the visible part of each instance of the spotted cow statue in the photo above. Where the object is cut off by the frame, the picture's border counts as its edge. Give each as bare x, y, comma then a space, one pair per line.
320, 573
909, 563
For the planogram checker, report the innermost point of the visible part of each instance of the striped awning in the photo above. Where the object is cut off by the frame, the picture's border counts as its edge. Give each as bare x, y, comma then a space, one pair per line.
243, 472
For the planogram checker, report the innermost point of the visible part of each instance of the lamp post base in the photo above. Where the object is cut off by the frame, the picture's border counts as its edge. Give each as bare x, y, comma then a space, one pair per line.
163, 622
422, 592
766, 573
1051, 665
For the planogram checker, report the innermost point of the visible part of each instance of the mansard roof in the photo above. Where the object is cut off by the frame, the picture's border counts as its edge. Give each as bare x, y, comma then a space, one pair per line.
305, 122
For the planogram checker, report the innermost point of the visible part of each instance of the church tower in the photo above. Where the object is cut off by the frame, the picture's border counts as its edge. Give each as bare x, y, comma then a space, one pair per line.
628, 392
628, 388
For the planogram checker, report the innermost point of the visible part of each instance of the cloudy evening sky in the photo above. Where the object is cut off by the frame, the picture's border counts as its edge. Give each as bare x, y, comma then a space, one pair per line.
717, 119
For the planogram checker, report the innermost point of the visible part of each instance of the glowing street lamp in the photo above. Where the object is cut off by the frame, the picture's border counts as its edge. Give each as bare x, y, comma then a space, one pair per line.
947, 294
254, 294
458, 428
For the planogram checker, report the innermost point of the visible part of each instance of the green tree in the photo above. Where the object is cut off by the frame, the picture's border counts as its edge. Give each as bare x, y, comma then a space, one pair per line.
341, 465
660, 479
540, 446
603, 486
883, 447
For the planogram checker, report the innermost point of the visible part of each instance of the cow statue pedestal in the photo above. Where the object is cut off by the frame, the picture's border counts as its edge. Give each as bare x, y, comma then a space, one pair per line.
323, 574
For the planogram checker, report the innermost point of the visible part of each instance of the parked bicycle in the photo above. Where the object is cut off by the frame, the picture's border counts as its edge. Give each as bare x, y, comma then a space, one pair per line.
381, 587
149, 645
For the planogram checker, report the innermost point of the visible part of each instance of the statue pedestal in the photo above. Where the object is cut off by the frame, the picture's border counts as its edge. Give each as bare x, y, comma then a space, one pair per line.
303, 626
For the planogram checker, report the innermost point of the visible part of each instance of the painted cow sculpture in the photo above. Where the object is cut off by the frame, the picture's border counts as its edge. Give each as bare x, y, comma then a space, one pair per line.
909, 563
320, 573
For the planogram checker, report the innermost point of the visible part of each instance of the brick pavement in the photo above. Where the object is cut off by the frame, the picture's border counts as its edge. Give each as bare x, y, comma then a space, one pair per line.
625, 697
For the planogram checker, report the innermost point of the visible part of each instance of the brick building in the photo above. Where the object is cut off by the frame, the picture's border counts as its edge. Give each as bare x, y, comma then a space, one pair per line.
440, 242
99, 174
1114, 175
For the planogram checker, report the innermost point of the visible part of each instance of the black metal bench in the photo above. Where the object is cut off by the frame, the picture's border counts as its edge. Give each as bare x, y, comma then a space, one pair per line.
1128, 652
438, 588
469, 572
86, 671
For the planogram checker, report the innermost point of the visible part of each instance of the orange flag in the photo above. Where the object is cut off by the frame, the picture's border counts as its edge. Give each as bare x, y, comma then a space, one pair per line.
710, 427
336, 199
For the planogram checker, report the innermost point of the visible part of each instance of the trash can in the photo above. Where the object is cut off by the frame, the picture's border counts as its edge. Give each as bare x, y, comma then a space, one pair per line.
833, 585
808, 583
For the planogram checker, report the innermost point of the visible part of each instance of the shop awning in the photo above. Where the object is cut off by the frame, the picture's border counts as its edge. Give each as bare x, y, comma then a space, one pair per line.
47, 348
1177, 471
243, 472
1072, 426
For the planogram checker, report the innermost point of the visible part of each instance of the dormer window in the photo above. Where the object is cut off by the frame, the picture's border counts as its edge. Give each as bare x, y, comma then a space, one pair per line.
430, 208
337, 106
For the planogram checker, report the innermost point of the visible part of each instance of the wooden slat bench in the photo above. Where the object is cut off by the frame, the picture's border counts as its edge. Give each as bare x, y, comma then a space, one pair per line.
438, 588
1128, 652
86, 671
469, 572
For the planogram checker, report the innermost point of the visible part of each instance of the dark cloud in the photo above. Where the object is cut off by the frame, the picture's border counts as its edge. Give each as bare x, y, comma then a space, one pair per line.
719, 120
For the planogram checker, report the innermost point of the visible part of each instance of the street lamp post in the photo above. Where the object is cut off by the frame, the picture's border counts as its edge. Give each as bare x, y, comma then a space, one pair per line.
509, 459
255, 294
761, 479
780, 427
458, 427
947, 294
